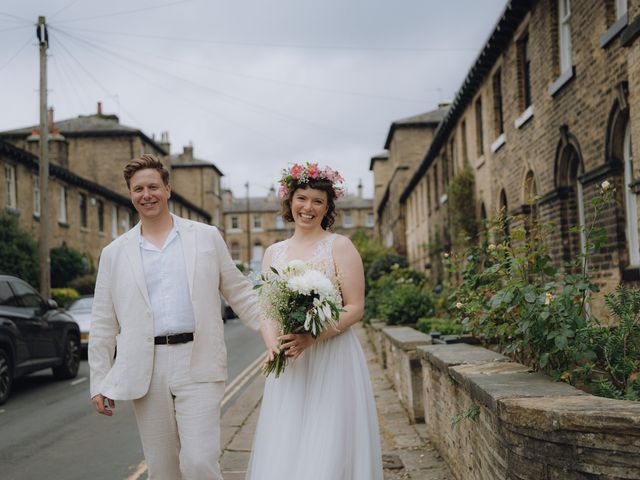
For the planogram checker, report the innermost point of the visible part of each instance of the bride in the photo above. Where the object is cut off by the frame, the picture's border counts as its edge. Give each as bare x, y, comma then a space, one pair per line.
318, 419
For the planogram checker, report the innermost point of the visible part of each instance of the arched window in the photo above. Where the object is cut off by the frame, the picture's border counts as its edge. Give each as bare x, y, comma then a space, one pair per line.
530, 199
568, 169
504, 212
483, 224
630, 201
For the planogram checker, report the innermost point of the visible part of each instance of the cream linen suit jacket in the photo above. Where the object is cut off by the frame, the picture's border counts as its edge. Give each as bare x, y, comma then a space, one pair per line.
122, 318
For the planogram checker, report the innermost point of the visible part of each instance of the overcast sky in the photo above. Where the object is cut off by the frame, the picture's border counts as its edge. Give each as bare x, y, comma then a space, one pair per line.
254, 85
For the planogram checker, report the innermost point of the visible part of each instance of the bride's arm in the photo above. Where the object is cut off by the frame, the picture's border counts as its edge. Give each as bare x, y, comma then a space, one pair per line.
351, 277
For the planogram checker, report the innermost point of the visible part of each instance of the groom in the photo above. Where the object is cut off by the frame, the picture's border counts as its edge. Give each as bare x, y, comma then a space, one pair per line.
157, 334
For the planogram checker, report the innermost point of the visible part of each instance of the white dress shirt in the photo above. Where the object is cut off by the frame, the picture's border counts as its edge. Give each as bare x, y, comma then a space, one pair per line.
167, 285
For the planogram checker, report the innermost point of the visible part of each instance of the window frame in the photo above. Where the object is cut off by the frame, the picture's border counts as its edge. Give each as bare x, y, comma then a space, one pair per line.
62, 204
36, 196
564, 36
11, 200
83, 210
479, 127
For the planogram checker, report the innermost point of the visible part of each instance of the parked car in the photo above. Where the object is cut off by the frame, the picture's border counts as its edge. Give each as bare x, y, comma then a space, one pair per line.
34, 334
80, 311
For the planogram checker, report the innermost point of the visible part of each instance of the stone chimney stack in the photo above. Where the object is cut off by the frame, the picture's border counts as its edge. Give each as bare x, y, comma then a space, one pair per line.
164, 142
360, 188
227, 196
99, 111
187, 155
58, 145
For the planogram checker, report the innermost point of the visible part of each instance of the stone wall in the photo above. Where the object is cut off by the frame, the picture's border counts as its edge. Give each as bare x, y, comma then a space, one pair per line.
516, 424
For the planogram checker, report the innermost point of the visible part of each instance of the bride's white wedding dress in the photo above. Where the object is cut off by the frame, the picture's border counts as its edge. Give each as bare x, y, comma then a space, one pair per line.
318, 420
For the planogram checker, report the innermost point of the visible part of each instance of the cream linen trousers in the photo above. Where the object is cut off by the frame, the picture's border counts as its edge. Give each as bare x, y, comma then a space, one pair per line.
179, 419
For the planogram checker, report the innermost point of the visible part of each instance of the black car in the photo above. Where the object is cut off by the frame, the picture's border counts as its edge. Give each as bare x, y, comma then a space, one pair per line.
34, 334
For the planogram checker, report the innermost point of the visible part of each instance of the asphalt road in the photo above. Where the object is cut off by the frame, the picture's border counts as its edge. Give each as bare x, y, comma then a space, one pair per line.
49, 430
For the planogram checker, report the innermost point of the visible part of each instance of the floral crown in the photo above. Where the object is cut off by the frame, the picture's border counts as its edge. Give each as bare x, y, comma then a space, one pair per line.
305, 173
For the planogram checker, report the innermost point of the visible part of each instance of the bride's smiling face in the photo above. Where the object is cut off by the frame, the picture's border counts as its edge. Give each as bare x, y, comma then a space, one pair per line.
309, 206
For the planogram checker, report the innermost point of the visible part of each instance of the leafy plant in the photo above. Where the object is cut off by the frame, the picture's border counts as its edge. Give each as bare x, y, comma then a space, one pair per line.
66, 264
471, 413
462, 206
513, 294
441, 325
85, 284
18, 250
64, 296
617, 348
405, 302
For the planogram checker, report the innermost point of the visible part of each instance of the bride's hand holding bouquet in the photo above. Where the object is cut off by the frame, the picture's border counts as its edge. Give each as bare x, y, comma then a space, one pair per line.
301, 300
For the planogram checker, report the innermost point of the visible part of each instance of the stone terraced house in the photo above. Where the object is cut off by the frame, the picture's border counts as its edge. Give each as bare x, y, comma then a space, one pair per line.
545, 115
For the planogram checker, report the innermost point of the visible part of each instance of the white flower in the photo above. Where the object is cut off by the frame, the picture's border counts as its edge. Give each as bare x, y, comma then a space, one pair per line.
295, 267
459, 305
445, 255
312, 281
491, 247
548, 298
605, 185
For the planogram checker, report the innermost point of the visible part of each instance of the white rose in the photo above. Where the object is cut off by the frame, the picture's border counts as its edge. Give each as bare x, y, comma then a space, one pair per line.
459, 305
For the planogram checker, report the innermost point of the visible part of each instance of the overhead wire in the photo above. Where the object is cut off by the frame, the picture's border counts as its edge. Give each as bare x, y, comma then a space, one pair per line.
227, 43
223, 95
127, 12
192, 103
15, 17
13, 57
279, 81
58, 12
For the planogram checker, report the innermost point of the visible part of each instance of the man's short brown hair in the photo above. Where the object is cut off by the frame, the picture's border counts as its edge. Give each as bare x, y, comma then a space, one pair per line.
142, 163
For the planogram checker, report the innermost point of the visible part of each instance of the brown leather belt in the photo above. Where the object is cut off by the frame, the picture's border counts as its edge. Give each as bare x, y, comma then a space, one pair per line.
173, 339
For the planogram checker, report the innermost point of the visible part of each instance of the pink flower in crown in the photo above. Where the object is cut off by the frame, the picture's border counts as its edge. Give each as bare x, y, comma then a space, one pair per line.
282, 191
296, 170
329, 174
313, 171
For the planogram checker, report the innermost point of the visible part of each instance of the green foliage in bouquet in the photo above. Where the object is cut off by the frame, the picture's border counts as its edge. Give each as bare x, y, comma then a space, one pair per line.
299, 300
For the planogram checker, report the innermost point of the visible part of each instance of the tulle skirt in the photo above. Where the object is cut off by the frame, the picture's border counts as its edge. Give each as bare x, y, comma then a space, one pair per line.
318, 420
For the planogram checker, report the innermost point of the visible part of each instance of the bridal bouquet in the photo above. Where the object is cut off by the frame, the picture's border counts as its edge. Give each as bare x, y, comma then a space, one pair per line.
300, 300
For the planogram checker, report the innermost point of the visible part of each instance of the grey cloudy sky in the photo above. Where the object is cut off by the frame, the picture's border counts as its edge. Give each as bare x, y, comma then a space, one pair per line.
255, 85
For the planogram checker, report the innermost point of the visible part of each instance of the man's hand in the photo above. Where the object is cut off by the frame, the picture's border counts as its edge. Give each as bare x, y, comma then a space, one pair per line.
102, 408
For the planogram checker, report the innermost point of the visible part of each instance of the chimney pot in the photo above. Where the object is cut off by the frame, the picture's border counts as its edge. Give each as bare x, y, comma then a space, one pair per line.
50, 118
99, 108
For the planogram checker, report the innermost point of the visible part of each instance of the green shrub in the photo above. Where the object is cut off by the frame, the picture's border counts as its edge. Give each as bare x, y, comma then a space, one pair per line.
66, 264
85, 284
404, 303
441, 325
368, 248
64, 296
18, 250
383, 265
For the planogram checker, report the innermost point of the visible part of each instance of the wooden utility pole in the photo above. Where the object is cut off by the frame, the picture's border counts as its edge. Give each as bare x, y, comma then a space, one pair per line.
248, 228
45, 262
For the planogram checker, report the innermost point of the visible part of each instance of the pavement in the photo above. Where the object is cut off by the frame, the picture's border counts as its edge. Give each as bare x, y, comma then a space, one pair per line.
407, 453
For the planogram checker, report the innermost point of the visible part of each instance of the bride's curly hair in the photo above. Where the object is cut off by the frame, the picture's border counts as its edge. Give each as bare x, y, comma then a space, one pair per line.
318, 184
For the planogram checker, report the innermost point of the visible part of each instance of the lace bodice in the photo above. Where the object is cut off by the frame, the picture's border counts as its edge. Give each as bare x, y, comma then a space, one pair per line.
321, 257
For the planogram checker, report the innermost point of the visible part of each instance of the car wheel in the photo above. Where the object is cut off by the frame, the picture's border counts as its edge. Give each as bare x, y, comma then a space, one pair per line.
6, 376
70, 360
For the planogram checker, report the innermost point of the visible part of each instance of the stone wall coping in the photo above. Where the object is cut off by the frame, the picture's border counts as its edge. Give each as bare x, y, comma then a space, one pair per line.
378, 325
406, 338
582, 413
445, 356
489, 383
